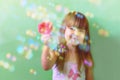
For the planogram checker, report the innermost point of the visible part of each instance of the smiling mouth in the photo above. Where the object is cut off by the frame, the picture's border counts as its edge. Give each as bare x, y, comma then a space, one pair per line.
74, 40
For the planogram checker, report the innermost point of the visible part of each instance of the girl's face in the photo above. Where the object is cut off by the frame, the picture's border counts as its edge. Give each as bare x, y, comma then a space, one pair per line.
74, 36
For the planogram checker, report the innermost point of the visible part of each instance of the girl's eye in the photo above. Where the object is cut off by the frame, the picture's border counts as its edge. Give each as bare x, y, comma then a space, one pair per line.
72, 28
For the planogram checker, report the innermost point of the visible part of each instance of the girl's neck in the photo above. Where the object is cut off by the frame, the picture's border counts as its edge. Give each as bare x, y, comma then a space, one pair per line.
71, 57
71, 48
71, 54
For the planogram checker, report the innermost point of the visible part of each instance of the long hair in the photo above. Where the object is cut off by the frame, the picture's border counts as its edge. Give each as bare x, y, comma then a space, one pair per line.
78, 20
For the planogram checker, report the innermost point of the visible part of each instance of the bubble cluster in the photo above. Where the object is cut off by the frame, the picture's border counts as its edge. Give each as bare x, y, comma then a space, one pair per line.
84, 47
95, 25
95, 2
88, 63
37, 13
31, 33
103, 32
61, 48
60, 8
23, 3
26, 49
7, 66
89, 14
74, 40
32, 71
33, 44
10, 57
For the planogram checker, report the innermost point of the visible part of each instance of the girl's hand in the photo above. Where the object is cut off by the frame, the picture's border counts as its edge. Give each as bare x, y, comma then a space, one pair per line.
46, 38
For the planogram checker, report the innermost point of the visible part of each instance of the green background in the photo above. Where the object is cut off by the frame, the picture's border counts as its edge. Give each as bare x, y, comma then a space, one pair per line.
18, 17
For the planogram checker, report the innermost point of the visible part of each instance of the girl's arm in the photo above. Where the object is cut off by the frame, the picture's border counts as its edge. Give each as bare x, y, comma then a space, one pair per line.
89, 74
48, 58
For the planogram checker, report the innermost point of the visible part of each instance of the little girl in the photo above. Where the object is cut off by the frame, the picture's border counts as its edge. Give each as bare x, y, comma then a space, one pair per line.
72, 59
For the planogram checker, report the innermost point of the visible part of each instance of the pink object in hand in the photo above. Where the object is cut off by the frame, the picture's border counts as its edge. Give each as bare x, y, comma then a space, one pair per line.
45, 27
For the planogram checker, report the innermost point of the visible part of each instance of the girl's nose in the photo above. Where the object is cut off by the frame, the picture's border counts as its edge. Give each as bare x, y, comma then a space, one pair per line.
73, 36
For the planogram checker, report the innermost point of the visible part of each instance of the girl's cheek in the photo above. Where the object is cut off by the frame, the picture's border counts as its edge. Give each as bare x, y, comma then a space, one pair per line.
67, 33
81, 38
66, 36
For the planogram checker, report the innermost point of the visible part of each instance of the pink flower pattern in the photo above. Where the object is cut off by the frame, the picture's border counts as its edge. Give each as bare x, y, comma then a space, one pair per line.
72, 72
73, 75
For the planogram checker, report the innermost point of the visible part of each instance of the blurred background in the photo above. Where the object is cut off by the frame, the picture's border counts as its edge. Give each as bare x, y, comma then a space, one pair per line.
20, 45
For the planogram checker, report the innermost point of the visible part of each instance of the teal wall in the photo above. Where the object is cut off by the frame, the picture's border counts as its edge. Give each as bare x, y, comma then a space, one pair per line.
18, 32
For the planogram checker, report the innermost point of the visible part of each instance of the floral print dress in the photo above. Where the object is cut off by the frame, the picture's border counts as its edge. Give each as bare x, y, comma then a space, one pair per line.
71, 70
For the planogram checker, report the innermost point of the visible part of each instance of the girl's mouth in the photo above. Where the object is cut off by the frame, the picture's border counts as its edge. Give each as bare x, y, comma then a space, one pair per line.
74, 40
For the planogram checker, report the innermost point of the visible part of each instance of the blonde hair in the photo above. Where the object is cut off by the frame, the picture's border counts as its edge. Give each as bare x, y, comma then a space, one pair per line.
78, 20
